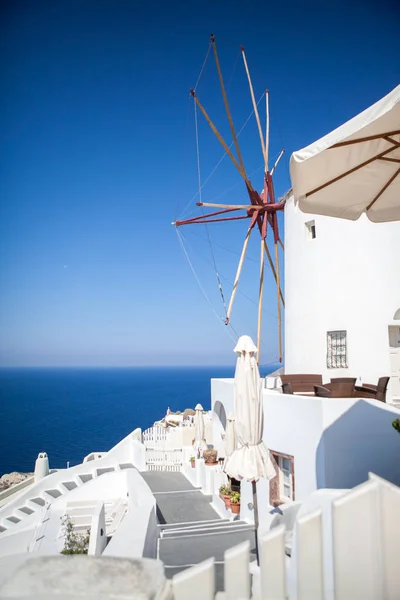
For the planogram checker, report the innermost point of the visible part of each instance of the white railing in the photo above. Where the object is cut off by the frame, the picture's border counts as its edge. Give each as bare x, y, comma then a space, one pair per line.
154, 435
167, 459
363, 556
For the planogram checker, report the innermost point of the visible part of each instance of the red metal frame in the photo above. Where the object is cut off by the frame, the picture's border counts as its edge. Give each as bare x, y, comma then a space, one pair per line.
262, 216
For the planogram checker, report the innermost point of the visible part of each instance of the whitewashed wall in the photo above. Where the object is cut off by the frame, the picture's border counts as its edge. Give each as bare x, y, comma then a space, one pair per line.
137, 537
347, 278
128, 450
334, 442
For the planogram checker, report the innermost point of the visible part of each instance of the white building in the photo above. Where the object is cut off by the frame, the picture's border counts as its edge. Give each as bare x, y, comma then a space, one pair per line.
316, 442
342, 293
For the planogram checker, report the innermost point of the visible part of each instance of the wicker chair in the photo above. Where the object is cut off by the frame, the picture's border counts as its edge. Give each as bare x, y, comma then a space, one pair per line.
287, 388
377, 392
322, 392
335, 389
344, 380
301, 382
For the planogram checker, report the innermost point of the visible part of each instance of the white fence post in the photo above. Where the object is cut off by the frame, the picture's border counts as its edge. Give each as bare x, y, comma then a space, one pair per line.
197, 583
310, 581
237, 574
355, 549
364, 554
273, 565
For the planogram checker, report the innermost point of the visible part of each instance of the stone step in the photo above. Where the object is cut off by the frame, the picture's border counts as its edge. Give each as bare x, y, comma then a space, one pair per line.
223, 529
193, 526
167, 526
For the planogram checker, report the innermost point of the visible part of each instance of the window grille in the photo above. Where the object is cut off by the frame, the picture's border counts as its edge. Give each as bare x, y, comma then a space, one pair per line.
336, 356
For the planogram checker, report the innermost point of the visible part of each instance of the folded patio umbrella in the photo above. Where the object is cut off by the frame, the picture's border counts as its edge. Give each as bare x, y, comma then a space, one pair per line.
250, 460
200, 443
355, 168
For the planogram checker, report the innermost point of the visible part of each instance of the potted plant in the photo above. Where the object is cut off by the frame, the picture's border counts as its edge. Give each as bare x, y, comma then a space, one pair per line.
192, 461
210, 457
235, 503
225, 494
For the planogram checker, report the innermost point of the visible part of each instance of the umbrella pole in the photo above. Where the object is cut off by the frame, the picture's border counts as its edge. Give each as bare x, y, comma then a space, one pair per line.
255, 506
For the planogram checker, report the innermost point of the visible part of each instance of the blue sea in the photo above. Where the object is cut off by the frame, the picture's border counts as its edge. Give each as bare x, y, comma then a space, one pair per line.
69, 413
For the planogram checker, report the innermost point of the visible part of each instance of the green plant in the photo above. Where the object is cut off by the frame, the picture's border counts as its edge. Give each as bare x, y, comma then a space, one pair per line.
192, 459
75, 543
235, 498
225, 490
396, 425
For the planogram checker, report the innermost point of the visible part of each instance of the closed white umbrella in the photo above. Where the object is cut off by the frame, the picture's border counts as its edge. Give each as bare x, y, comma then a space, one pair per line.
250, 460
230, 435
355, 168
199, 429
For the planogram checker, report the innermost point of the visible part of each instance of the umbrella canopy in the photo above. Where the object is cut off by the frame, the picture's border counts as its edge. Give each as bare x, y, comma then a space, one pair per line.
250, 460
355, 168
230, 435
199, 429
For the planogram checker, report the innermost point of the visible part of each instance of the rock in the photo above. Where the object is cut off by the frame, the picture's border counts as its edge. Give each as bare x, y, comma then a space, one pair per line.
9, 479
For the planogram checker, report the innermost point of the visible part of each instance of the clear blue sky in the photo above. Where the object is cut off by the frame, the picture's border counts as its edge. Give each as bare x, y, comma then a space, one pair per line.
97, 151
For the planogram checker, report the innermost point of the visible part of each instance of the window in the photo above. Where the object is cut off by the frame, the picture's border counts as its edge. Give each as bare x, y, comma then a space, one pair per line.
285, 478
336, 356
282, 486
310, 228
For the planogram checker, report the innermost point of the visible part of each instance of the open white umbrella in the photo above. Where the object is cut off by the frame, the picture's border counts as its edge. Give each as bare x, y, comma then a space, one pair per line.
199, 429
251, 459
355, 168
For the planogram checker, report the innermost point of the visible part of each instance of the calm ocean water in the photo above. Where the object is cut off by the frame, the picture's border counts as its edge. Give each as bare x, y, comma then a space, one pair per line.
71, 412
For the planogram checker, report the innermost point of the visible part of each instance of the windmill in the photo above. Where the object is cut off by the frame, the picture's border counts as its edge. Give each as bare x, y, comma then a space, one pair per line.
263, 207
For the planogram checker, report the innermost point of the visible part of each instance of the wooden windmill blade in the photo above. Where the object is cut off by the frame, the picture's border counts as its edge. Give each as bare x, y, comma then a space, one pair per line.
268, 197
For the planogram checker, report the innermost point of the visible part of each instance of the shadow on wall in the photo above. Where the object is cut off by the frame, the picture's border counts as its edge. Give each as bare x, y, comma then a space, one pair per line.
361, 440
221, 414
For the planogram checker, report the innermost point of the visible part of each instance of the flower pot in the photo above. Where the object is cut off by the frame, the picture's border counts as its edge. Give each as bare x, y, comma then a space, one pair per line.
227, 499
210, 464
193, 464
235, 509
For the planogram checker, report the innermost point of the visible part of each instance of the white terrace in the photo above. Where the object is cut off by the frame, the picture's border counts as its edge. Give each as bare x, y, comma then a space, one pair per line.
326, 525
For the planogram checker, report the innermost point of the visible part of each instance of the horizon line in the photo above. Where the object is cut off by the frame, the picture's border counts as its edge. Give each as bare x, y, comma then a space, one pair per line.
146, 366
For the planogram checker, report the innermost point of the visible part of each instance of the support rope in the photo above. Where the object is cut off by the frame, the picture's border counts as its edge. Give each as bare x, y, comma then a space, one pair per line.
218, 316
220, 319
203, 67
229, 281
220, 160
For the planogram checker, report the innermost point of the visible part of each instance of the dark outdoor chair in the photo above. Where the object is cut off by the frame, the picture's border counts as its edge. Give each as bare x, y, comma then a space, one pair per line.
322, 392
287, 388
344, 380
341, 389
335, 389
376, 392
301, 383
